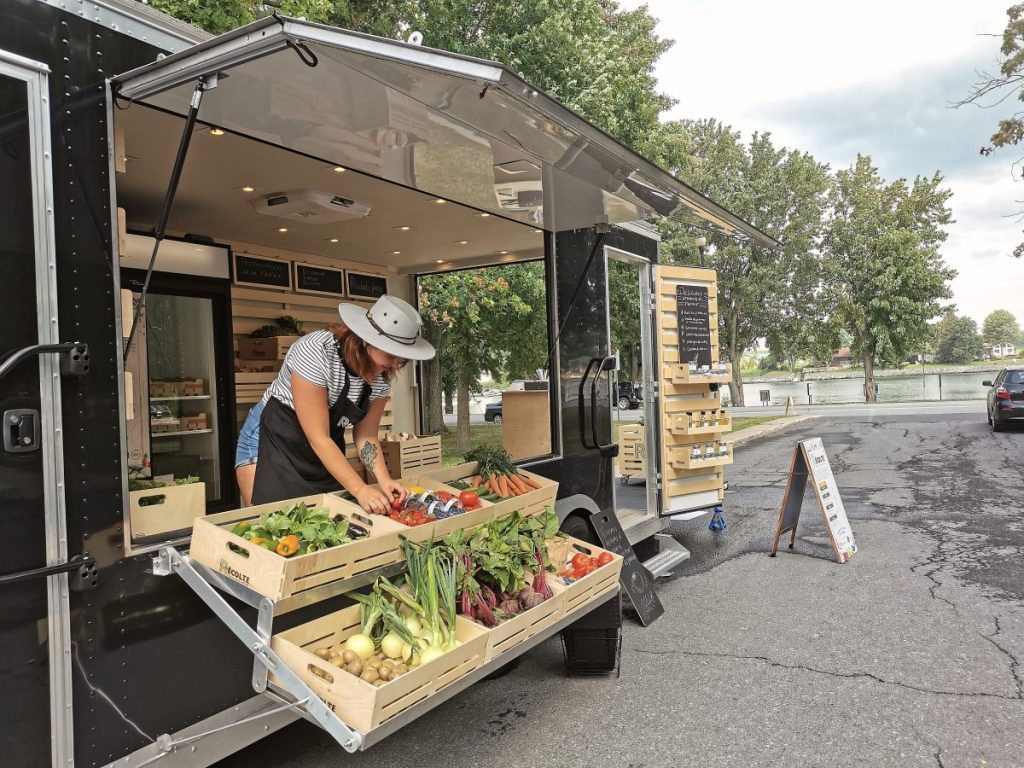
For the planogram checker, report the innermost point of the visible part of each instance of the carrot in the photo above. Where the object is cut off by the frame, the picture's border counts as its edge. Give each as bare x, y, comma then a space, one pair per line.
530, 482
503, 485
492, 485
474, 481
516, 482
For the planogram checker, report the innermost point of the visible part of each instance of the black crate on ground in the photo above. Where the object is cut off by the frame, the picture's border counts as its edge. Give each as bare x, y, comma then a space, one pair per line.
593, 645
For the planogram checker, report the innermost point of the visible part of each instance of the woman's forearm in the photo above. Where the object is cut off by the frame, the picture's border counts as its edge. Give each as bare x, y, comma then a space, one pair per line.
372, 456
337, 464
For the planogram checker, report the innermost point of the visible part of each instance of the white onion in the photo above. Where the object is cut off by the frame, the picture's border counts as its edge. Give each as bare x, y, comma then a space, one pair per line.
362, 645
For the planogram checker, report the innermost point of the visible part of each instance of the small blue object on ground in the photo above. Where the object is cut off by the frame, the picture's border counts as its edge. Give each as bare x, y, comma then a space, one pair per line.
717, 521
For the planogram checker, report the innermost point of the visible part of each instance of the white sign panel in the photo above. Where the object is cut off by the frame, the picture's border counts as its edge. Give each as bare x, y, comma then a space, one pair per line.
828, 494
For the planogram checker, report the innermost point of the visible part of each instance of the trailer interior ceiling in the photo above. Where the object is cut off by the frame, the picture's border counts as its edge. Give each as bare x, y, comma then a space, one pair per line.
452, 127
227, 176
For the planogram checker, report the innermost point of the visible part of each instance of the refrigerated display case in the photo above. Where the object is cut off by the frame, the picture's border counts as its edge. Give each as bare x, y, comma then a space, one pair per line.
188, 391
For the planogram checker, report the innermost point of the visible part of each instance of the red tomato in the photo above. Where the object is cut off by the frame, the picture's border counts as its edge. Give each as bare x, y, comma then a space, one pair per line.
469, 500
444, 496
605, 558
580, 561
578, 573
593, 562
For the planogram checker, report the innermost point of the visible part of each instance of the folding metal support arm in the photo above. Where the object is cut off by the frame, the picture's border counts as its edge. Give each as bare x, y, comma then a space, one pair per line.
171, 561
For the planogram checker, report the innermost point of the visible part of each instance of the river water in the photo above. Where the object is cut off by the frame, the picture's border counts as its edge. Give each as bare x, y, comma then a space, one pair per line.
931, 386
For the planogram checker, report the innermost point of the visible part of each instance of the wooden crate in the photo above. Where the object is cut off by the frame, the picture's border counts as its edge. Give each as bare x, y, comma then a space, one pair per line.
710, 421
592, 586
173, 508
355, 701
683, 374
522, 627
192, 387
533, 503
273, 348
469, 519
192, 423
406, 456
278, 577
633, 456
681, 457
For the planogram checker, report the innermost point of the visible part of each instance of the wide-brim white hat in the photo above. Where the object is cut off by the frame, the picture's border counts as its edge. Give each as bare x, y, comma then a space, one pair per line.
391, 324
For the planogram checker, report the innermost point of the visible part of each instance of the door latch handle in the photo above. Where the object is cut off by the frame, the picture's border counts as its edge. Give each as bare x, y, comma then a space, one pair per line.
21, 430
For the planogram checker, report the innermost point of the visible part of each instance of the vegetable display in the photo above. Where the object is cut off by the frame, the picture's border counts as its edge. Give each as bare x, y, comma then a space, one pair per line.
428, 506
501, 566
582, 565
498, 475
296, 530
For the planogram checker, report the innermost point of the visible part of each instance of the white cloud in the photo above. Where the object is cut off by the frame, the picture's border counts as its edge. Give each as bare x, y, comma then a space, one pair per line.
875, 77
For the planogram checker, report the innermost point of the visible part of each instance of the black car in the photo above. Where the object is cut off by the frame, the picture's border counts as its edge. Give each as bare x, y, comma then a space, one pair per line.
492, 412
630, 395
1005, 398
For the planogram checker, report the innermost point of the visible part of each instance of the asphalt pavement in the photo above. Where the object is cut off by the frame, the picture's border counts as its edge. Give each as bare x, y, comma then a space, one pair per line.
908, 655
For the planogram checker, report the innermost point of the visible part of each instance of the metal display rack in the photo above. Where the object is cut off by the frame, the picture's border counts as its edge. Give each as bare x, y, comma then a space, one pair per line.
289, 690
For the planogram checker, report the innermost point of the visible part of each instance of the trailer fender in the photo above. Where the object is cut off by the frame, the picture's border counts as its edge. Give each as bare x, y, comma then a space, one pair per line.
581, 508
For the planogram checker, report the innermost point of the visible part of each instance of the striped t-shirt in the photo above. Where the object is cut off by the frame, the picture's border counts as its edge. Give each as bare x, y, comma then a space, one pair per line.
315, 358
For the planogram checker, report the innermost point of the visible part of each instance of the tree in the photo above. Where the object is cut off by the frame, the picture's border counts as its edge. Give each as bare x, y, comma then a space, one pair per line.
959, 341
885, 271
782, 192
999, 327
992, 90
624, 316
476, 315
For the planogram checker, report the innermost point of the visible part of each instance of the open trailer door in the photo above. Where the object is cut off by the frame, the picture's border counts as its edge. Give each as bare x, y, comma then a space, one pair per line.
691, 450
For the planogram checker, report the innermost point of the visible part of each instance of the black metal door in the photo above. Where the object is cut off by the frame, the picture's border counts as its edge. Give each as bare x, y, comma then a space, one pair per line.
24, 594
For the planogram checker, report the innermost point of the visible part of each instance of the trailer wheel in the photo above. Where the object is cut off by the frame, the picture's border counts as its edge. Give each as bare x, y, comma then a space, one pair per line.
577, 526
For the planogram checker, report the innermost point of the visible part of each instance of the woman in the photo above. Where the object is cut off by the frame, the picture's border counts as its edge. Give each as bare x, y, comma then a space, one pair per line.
293, 442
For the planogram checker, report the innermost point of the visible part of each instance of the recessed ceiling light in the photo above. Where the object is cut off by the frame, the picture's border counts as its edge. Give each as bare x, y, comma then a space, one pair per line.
404, 227
440, 201
440, 261
216, 131
248, 189
483, 215
396, 253
282, 229
338, 169
334, 239
462, 242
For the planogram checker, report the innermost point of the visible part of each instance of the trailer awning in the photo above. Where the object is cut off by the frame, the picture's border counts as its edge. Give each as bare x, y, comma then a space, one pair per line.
460, 128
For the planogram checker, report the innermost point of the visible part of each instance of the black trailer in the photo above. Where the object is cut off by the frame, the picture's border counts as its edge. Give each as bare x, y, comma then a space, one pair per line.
106, 662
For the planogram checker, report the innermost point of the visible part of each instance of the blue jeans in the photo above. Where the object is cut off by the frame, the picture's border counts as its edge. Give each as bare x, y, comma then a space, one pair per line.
249, 438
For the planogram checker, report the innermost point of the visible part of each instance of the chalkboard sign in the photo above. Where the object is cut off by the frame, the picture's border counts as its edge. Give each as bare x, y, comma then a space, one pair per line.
311, 278
364, 286
810, 460
694, 325
261, 272
635, 578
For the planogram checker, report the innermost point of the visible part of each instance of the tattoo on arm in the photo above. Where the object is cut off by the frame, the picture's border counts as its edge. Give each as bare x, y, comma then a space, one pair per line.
368, 454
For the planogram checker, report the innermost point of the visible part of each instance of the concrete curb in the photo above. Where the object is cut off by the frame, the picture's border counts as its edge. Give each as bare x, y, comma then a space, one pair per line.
763, 430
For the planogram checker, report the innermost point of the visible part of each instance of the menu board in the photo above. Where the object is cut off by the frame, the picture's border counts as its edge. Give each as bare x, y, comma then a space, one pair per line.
312, 278
635, 578
366, 286
261, 272
811, 461
694, 325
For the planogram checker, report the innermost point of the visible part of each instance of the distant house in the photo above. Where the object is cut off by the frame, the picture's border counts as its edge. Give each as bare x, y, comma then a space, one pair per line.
916, 359
841, 358
999, 351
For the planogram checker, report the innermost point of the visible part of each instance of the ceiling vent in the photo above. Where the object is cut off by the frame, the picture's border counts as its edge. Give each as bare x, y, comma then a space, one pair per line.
310, 207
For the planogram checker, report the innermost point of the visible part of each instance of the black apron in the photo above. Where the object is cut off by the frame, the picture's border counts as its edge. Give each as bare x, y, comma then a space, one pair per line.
286, 465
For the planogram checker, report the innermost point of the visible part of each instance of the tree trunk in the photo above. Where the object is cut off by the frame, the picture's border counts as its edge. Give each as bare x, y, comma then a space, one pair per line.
433, 420
736, 385
462, 431
449, 404
869, 377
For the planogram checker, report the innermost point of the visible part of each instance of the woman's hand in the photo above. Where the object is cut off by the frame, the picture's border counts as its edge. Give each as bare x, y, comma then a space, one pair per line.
372, 500
393, 490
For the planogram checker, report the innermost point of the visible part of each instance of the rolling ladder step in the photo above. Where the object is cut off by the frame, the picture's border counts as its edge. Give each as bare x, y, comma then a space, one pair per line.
672, 554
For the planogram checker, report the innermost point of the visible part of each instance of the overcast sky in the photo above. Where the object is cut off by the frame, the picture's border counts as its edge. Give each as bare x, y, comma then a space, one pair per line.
835, 79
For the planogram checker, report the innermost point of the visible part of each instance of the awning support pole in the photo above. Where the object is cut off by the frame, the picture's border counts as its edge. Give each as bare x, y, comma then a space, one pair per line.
204, 84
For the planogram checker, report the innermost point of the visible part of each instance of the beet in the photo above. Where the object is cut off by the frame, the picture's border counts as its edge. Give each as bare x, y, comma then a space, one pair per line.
540, 585
484, 613
466, 604
489, 597
509, 607
524, 592
532, 601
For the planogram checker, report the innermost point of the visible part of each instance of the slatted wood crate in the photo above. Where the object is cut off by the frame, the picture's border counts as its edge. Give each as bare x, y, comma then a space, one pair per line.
532, 503
510, 633
164, 510
356, 701
278, 577
404, 457
591, 587
633, 451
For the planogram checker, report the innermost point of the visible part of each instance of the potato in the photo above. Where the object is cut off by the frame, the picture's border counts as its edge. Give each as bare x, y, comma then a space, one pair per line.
323, 653
369, 675
400, 669
350, 656
354, 667
378, 683
387, 664
373, 662
385, 674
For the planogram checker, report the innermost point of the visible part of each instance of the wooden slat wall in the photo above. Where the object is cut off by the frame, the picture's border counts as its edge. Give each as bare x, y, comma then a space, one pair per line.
252, 308
700, 484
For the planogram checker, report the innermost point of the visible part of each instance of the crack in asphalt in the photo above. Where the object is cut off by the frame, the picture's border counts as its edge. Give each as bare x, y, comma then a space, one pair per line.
1014, 661
828, 673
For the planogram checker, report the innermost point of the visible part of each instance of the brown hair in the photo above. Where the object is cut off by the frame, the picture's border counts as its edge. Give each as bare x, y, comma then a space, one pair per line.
355, 354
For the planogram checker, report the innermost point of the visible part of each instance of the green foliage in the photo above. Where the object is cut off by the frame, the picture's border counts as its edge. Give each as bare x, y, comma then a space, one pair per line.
1000, 326
782, 192
624, 314
285, 325
959, 341
885, 271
